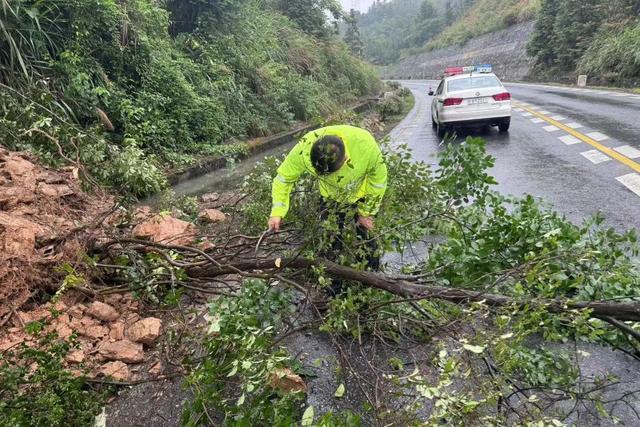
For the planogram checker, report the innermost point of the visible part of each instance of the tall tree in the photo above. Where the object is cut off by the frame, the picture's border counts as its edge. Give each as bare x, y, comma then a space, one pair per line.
427, 24
541, 45
575, 25
449, 13
352, 34
311, 15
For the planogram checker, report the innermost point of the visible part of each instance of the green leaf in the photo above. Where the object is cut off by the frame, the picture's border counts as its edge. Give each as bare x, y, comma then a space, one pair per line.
340, 391
477, 349
307, 417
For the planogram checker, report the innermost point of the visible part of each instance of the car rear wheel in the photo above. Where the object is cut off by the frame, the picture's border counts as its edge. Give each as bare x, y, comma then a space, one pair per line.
504, 125
441, 130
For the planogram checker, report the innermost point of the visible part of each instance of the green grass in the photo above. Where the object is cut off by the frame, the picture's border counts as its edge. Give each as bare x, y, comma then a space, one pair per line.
485, 17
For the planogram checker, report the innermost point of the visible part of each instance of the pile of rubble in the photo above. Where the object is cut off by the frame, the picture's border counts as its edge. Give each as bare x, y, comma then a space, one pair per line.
112, 337
46, 222
43, 216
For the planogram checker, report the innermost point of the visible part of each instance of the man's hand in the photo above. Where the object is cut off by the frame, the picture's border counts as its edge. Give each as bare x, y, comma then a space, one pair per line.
366, 222
274, 223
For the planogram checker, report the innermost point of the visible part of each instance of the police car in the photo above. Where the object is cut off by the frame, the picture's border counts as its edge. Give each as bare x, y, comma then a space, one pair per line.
469, 97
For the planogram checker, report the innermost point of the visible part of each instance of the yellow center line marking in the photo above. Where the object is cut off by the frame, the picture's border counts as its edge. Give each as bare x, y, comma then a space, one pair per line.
584, 138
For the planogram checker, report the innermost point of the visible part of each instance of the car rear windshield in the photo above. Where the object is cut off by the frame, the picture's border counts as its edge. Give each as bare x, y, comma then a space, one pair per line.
473, 82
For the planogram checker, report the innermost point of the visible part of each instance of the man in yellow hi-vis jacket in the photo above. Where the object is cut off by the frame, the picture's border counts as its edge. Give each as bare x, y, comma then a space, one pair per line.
351, 171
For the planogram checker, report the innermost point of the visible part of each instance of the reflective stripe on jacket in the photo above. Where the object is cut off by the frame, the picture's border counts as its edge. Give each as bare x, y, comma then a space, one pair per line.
362, 177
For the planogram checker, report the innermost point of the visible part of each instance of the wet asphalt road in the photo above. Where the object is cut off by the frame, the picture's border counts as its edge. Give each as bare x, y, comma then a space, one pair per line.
532, 160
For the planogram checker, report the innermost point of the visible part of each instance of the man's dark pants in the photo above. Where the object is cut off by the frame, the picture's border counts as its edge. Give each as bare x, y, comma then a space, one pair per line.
346, 214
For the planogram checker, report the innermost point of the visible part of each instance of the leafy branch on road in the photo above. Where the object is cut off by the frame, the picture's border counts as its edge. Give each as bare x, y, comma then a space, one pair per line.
474, 327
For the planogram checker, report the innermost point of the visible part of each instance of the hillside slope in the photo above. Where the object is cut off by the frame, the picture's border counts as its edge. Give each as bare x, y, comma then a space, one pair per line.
600, 38
485, 16
400, 28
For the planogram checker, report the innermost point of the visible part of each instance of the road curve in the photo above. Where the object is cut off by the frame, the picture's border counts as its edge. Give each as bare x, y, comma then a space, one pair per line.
577, 149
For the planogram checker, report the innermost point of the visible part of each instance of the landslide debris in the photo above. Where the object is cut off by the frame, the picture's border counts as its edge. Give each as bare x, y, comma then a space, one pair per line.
44, 221
47, 221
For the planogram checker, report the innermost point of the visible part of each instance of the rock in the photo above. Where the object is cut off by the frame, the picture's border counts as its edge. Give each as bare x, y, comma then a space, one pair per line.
103, 311
206, 245
145, 331
165, 229
131, 319
76, 356
117, 370
142, 213
117, 331
157, 369
287, 382
11, 197
77, 311
64, 330
123, 350
113, 299
33, 315
212, 215
18, 167
54, 191
95, 331
210, 197
11, 342
19, 235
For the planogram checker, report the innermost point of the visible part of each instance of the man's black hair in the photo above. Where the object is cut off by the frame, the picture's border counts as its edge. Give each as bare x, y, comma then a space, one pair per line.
327, 154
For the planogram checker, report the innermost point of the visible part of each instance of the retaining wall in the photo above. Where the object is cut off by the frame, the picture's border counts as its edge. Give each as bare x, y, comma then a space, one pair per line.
506, 50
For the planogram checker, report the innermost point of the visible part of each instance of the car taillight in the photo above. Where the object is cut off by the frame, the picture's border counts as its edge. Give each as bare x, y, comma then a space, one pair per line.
452, 101
506, 96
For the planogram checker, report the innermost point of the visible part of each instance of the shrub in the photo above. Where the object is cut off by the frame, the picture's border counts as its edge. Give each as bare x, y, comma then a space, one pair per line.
614, 52
390, 106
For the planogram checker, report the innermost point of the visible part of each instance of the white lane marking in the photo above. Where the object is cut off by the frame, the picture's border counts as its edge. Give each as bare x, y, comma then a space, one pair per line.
574, 125
628, 151
545, 112
551, 128
587, 90
569, 140
558, 117
527, 114
621, 94
631, 181
537, 120
519, 110
595, 156
597, 136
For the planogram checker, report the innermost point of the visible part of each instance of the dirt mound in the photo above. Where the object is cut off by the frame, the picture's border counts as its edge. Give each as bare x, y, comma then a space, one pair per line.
43, 213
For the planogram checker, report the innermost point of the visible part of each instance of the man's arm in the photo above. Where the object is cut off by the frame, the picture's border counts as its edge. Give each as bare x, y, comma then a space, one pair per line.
376, 184
288, 174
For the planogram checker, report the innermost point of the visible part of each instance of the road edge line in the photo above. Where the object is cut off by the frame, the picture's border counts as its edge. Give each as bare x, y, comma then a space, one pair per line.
584, 138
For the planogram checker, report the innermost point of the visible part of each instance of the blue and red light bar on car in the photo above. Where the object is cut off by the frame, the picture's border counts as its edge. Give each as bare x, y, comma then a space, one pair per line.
454, 71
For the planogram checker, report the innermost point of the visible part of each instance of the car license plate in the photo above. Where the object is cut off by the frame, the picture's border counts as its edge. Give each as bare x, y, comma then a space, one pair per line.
477, 101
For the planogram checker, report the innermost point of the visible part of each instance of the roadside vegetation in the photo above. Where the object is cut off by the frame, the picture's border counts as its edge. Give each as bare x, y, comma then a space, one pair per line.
126, 91
598, 38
